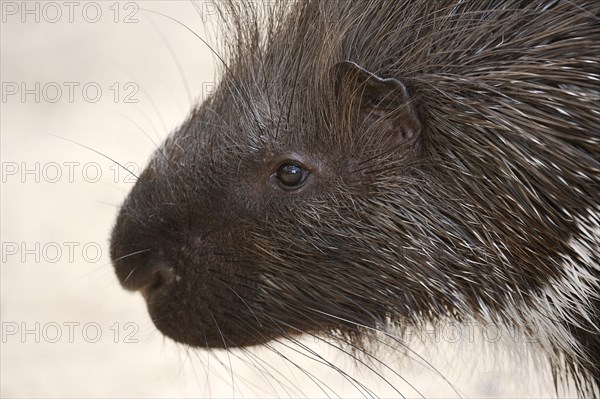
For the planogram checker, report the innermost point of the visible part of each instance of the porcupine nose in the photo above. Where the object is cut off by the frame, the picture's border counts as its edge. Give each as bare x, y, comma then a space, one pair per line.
146, 274
155, 278
138, 253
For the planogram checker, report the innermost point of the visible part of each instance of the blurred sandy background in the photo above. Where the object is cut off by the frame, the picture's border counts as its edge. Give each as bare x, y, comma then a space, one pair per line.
68, 329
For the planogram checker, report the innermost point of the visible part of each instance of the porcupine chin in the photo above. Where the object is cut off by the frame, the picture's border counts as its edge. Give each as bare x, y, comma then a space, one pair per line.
372, 164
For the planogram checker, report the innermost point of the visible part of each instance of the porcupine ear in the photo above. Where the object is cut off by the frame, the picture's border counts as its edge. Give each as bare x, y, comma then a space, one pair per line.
378, 98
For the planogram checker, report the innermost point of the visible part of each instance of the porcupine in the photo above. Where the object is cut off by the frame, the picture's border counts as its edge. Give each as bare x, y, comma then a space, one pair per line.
372, 164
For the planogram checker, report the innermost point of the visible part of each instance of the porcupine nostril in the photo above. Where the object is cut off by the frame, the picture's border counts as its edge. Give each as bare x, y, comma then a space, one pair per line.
155, 278
147, 275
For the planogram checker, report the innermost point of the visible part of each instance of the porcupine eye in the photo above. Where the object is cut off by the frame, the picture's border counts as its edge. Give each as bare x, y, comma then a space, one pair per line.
291, 175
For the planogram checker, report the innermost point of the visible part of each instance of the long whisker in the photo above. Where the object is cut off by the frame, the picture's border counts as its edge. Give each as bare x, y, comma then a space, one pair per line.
97, 152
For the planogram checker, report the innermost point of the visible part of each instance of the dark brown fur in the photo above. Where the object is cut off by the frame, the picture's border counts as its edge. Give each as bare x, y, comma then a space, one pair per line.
450, 151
